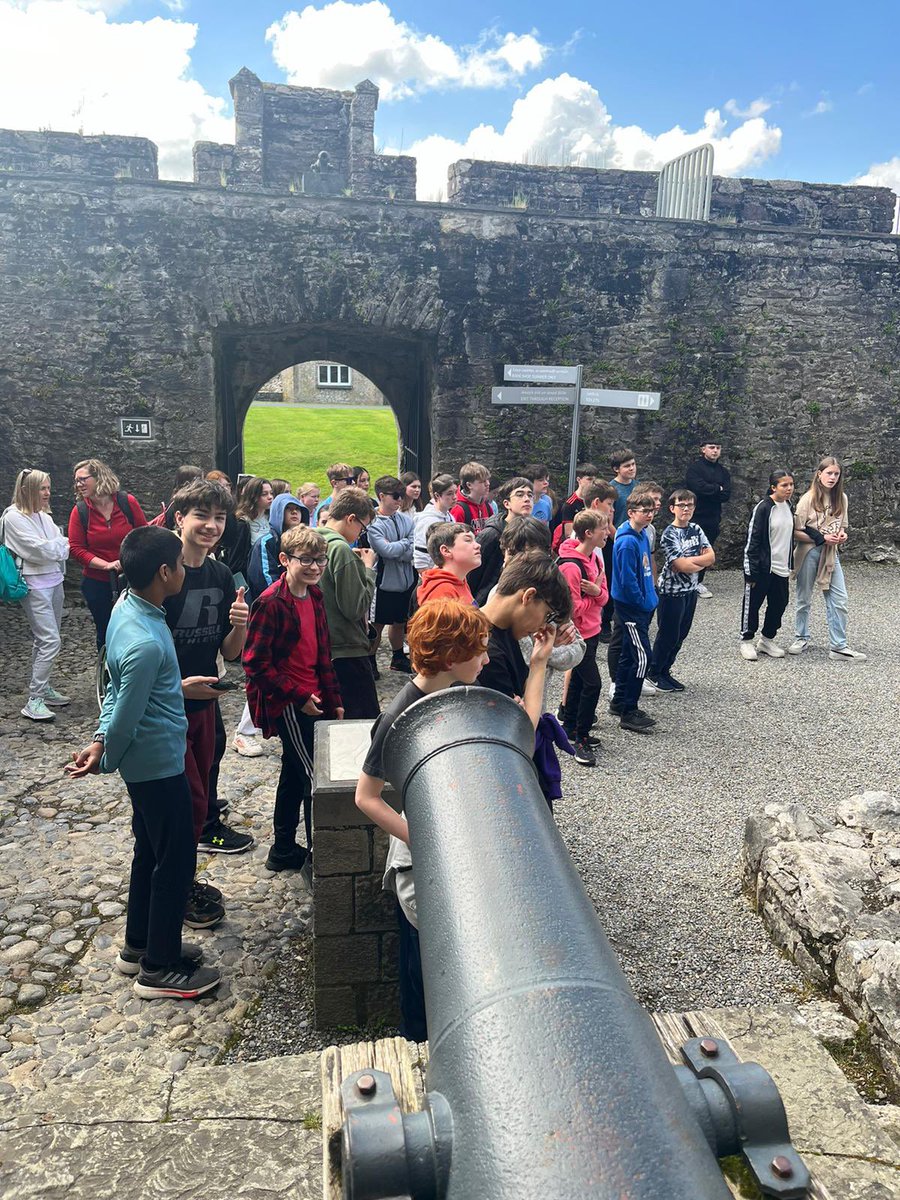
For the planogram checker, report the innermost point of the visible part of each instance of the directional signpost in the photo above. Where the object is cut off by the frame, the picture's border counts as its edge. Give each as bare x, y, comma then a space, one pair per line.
574, 395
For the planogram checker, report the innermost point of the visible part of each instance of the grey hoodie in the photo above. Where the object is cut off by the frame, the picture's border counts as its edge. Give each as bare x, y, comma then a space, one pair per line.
392, 540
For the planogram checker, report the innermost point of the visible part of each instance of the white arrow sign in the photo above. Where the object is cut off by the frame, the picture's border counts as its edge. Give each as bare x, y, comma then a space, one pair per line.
539, 373
610, 398
521, 395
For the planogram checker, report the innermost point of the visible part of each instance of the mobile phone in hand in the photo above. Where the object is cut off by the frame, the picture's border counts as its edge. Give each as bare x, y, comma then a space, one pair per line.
224, 685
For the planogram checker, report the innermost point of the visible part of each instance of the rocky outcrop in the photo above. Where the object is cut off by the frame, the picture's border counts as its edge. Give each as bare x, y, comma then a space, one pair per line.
829, 892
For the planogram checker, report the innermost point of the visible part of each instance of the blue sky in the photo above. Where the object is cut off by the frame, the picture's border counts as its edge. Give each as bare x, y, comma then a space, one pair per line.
798, 90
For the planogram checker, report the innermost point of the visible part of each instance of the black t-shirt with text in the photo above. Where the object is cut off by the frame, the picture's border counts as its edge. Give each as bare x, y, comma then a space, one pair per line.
198, 619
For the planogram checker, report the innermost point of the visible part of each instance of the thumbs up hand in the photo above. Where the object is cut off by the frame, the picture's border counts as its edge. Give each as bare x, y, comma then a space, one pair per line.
239, 612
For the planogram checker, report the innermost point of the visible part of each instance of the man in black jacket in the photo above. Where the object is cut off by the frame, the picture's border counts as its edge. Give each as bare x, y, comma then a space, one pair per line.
711, 483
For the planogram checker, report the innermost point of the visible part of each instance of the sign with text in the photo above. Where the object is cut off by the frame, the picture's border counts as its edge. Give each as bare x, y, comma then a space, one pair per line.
522, 395
136, 428
539, 373
610, 398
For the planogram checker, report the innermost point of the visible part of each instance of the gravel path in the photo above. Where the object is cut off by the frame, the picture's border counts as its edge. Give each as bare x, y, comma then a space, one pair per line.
656, 832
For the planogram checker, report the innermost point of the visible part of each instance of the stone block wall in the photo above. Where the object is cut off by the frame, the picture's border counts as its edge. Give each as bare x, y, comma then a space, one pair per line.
355, 941
213, 163
47, 153
384, 176
579, 191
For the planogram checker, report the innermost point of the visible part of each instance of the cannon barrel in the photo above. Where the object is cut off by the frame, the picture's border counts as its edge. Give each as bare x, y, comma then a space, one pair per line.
546, 1079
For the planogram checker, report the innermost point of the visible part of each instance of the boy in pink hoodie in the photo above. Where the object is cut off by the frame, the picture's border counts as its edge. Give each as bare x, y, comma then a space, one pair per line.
581, 564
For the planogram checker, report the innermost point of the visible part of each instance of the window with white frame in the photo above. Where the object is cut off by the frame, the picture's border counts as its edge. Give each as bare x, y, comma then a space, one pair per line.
333, 375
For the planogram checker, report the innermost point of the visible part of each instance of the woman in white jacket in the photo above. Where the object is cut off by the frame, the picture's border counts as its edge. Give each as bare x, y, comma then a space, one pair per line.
31, 535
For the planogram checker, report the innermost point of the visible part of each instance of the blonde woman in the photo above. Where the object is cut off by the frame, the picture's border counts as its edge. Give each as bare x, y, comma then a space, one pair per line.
31, 535
820, 529
101, 518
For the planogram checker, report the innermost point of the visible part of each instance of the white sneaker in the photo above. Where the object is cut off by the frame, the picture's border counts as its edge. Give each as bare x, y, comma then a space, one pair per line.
649, 688
56, 699
846, 653
612, 690
767, 646
704, 593
748, 651
247, 745
37, 710
798, 645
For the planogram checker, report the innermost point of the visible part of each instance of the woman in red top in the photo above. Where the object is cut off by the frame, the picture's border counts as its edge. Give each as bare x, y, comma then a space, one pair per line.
98, 523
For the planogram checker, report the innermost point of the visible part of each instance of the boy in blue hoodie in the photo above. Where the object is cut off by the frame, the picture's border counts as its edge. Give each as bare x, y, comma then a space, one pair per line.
264, 568
635, 601
141, 734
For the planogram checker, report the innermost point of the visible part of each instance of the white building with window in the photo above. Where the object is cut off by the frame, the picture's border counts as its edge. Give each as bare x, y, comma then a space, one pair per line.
322, 383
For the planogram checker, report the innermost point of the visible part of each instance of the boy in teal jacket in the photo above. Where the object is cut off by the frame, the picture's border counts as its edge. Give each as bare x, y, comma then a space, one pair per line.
141, 734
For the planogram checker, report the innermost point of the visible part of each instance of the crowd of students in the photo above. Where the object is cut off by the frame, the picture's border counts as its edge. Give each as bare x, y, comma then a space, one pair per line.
499, 586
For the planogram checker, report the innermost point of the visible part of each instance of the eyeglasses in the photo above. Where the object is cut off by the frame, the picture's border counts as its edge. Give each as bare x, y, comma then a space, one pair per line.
684, 504
305, 561
394, 495
349, 479
83, 478
362, 524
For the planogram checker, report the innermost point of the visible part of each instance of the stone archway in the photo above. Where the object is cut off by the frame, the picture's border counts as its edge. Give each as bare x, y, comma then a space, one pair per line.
400, 366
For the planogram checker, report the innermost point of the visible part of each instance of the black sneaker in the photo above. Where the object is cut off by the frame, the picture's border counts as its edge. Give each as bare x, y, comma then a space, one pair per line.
399, 662
184, 980
287, 860
645, 716
591, 739
207, 893
223, 840
202, 913
674, 684
129, 959
584, 755
636, 723
664, 684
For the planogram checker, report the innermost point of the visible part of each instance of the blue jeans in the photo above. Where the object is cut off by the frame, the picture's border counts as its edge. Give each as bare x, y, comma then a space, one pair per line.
835, 599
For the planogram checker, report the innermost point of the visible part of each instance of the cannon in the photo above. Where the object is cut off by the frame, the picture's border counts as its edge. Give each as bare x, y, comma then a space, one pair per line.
546, 1080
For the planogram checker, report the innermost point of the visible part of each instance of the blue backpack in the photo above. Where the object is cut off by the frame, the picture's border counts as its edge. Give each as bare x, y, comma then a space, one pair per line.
13, 587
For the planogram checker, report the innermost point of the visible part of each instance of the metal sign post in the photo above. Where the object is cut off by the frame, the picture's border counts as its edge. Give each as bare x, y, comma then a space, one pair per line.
576, 396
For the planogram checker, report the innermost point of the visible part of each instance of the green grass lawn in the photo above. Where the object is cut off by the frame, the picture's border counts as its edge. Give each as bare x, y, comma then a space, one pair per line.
297, 444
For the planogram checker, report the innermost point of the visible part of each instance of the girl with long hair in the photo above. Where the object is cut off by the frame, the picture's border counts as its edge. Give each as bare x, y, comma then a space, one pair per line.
768, 560
412, 493
820, 529
30, 533
253, 506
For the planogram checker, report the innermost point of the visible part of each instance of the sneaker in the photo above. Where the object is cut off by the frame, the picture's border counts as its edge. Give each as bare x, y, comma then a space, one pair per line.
54, 698
247, 745
202, 912
591, 740
649, 688
223, 840
207, 893
748, 651
612, 690
635, 723
645, 716
561, 715
584, 755
306, 873
37, 710
674, 685
182, 981
290, 860
399, 662
664, 684
703, 592
798, 645
767, 646
847, 654
129, 959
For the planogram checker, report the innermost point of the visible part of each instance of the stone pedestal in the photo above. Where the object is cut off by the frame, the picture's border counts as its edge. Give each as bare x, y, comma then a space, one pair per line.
355, 933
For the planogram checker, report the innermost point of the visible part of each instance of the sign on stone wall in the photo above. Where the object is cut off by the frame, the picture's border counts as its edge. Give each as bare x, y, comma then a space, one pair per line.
612, 398
138, 429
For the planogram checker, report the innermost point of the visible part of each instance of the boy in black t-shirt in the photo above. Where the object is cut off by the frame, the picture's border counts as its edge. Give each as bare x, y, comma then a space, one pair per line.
206, 617
447, 645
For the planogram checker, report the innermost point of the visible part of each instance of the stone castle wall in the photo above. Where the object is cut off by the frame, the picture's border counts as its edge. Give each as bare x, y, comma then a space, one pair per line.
583, 191
46, 153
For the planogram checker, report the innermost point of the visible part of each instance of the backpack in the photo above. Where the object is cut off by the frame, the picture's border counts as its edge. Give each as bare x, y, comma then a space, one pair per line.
121, 499
579, 562
558, 530
13, 587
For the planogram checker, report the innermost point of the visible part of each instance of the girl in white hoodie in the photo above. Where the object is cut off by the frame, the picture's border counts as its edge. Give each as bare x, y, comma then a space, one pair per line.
31, 536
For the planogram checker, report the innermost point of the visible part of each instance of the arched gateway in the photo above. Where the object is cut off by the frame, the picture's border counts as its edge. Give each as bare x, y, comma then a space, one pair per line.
133, 304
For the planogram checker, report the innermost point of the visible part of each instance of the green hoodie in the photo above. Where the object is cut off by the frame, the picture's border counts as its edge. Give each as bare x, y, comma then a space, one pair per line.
348, 587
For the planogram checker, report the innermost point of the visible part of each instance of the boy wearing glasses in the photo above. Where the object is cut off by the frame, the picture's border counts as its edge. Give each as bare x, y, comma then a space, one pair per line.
687, 553
348, 585
291, 682
635, 599
392, 537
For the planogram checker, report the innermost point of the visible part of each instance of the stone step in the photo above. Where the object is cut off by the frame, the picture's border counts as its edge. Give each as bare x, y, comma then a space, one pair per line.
251, 1130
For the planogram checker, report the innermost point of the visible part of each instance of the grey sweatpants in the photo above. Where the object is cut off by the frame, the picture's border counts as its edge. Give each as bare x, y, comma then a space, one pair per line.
43, 607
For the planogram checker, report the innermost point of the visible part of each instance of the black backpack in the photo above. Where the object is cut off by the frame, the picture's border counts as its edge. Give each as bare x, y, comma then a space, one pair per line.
580, 563
121, 499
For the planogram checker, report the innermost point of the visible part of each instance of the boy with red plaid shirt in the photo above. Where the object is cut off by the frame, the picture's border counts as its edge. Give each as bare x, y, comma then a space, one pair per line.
291, 682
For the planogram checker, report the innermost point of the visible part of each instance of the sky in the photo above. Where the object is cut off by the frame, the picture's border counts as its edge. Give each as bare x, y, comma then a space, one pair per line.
788, 90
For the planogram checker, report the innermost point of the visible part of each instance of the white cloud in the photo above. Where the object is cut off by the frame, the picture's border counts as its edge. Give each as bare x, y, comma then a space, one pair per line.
755, 108
885, 174
341, 43
65, 66
819, 109
563, 120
